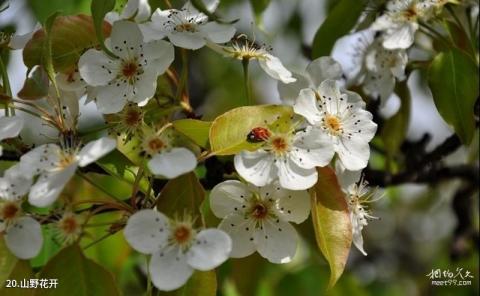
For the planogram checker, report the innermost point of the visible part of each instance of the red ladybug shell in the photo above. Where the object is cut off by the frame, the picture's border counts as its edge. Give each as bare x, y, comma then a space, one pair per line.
258, 134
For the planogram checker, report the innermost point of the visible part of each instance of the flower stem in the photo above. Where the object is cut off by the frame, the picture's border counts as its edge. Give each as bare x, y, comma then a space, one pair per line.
182, 90
246, 81
149, 279
6, 85
136, 186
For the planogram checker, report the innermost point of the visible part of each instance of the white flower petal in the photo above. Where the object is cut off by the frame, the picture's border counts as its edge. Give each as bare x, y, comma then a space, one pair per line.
274, 67
329, 89
173, 163
401, 37
95, 150
241, 233
138, 8
24, 238
290, 91
42, 158
112, 98
357, 237
227, 196
346, 177
211, 248
15, 183
293, 177
10, 127
277, 241
125, 38
312, 148
294, 206
306, 105
70, 82
160, 54
324, 68
361, 125
19, 41
187, 40
147, 231
169, 269
96, 68
49, 186
255, 167
218, 33
144, 88
377, 85
353, 153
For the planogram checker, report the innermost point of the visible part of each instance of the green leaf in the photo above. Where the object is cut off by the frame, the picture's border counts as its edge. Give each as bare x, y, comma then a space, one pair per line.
99, 9
118, 165
453, 79
35, 86
7, 261
395, 128
258, 7
338, 23
195, 130
184, 193
21, 273
47, 60
228, 133
202, 283
331, 221
77, 275
70, 36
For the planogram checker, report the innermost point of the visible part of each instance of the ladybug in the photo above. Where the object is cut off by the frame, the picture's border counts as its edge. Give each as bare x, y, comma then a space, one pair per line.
258, 134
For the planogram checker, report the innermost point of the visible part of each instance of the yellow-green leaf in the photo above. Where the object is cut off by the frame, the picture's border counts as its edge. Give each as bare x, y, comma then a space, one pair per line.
77, 275
70, 36
195, 130
35, 86
184, 193
453, 78
331, 221
202, 283
118, 165
228, 133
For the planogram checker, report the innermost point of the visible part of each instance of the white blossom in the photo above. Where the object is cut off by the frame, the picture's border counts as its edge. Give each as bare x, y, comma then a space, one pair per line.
136, 10
131, 77
316, 72
22, 234
10, 127
342, 118
166, 160
257, 219
177, 248
357, 197
400, 22
55, 166
243, 49
289, 157
381, 67
187, 28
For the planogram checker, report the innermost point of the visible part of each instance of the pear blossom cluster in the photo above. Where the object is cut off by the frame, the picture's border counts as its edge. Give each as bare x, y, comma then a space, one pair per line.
260, 202
384, 45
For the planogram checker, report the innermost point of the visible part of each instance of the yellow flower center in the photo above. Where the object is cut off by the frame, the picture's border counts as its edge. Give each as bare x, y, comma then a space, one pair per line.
9, 211
333, 124
185, 27
279, 145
